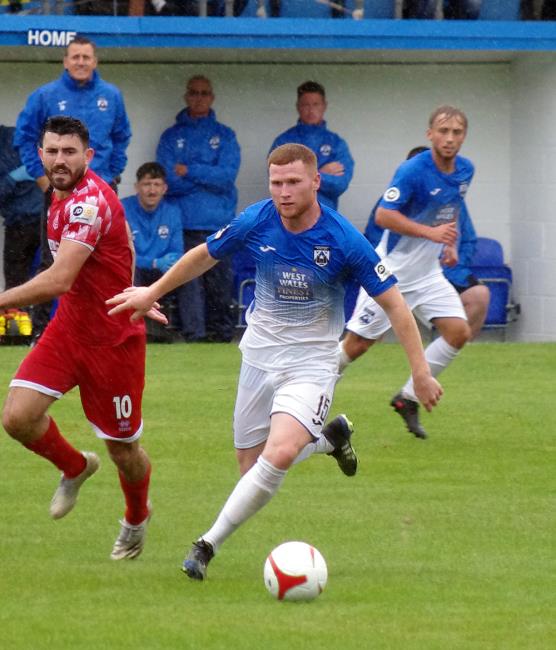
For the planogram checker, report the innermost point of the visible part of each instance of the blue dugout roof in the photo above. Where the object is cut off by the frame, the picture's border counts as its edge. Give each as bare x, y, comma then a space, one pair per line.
19, 35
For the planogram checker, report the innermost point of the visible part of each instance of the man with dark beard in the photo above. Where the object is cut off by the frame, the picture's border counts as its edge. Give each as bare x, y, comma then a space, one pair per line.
93, 257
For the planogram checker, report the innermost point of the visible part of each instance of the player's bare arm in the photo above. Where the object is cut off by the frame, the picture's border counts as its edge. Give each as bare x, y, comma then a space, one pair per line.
142, 299
397, 222
51, 283
427, 389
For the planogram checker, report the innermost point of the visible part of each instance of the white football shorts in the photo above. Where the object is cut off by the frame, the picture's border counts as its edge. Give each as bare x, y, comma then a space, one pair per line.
438, 300
305, 396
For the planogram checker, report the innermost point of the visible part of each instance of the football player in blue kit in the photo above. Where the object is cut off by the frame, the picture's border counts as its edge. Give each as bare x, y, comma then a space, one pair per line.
420, 212
304, 252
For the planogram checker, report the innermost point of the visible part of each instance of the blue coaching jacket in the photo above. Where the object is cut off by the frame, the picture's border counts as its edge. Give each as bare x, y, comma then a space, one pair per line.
99, 104
207, 194
327, 147
156, 233
20, 202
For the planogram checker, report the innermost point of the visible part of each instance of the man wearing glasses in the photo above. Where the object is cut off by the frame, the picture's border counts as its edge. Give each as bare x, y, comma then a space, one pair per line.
201, 157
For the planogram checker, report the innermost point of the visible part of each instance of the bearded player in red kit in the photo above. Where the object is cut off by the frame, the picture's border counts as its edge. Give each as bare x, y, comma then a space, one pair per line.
83, 346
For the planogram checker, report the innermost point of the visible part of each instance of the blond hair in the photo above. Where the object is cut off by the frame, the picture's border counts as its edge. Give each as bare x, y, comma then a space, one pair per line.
448, 112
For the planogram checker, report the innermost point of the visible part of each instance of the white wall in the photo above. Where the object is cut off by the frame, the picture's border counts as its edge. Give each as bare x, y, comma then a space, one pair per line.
533, 195
380, 109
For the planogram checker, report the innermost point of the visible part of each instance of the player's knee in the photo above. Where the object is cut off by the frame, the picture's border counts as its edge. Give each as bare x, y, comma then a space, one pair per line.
122, 454
355, 345
15, 421
459, 335
281, 456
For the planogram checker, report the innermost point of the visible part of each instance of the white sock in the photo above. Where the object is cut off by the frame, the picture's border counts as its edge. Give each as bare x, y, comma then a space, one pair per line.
439, 355
320, 446
253, 491
343, 359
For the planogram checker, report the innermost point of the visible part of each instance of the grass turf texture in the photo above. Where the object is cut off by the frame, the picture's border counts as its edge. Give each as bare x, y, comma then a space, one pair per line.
443, 544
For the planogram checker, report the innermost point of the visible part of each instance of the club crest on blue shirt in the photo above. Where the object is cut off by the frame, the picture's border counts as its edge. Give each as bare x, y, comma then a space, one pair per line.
163, 231
392, 194
214, 142
62, 104
321, 255
102, 103
180, 143
326, 149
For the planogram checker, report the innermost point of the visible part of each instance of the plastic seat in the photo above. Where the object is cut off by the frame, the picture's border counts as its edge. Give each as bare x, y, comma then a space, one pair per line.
489, 268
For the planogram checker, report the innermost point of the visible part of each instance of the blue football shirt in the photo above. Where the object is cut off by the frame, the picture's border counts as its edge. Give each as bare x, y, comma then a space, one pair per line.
297, 315
421, 192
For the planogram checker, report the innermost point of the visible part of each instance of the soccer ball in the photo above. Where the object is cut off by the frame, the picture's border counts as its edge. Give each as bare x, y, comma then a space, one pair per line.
295, 571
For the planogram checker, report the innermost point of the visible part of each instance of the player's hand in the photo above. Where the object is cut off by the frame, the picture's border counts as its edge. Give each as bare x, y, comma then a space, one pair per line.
447, 233
449, 256
138, 299
156, 315
333, 168
427, 390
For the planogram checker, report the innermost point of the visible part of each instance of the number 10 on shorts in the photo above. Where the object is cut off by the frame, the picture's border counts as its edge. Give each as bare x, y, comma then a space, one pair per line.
123, 406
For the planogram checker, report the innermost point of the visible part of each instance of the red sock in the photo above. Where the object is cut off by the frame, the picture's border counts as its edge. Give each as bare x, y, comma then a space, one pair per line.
136, 498
55, 448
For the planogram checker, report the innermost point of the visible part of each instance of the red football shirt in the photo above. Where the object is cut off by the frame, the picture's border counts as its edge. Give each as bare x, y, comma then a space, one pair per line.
93, 216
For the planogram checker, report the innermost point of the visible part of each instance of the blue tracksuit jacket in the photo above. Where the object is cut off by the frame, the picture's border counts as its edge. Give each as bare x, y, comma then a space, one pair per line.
99, 104
327, 147
154, 233
207, 195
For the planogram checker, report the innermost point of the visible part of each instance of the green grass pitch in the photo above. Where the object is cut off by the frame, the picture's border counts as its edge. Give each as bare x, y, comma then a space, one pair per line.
445, 544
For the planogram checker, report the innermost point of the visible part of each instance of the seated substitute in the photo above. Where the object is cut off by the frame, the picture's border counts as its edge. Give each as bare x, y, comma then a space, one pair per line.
155, 224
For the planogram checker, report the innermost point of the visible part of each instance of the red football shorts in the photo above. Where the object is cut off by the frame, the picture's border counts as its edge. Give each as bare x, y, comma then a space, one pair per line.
110, 379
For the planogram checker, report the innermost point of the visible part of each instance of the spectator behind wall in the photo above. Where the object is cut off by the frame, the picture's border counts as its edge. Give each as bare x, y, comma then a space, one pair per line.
21, 203
80, 93
201, 157
334, 160
451, 9
155, 225
192, 7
